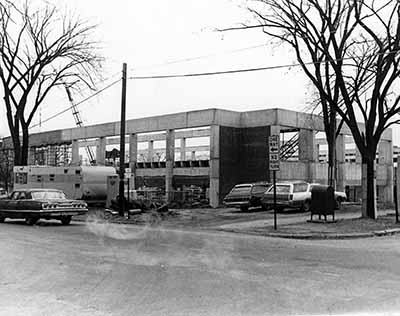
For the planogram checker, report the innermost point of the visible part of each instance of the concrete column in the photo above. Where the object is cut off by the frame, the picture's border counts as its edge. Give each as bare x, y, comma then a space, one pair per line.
31, 156
214, 166
358, 155
308, 151
101, 151
75, 153
193, 156
169, 163
133, 150
150, 151
385, 155
340, 162
183, 149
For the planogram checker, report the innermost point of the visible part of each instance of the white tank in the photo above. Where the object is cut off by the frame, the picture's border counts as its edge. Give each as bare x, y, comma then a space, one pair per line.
94, 181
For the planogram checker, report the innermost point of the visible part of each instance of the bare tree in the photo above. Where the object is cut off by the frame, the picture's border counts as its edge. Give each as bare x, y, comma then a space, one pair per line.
40, 48
350, 52
6, 166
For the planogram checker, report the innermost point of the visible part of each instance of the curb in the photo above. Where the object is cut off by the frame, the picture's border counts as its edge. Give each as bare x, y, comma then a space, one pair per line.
287, 235
319, 236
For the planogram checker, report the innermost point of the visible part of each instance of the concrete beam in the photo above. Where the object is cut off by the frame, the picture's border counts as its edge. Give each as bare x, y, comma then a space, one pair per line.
153, 137
187, 120
177, 149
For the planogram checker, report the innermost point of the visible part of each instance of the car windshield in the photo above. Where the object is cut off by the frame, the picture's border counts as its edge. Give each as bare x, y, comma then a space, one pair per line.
241, 189
47, 195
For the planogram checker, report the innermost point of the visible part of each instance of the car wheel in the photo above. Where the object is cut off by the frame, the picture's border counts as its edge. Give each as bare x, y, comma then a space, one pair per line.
65, 220
306, 206
2, 218
244, 208
31, 220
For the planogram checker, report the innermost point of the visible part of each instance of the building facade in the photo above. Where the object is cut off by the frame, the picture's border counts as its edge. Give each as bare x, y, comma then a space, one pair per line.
216, 149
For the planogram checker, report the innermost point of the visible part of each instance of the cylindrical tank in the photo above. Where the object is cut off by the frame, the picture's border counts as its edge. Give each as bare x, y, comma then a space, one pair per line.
94, 181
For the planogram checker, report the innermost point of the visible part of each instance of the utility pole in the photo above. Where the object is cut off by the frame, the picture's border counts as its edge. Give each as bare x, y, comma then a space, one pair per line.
122, 145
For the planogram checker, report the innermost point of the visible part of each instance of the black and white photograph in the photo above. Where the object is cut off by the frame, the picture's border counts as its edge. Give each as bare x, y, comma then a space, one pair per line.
199, 157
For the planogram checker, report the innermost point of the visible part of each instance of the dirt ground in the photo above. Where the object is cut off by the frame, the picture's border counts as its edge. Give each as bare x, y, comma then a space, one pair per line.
256, 220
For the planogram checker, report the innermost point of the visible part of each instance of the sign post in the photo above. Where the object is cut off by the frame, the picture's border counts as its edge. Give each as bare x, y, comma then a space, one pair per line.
274, 141
128, 176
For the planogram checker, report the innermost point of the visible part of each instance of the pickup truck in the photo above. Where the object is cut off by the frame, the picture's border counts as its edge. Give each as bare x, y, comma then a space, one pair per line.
246, 195
34, 204
295, 194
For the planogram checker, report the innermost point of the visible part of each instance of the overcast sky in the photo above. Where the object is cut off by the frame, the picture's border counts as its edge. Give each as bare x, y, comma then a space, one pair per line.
151, 35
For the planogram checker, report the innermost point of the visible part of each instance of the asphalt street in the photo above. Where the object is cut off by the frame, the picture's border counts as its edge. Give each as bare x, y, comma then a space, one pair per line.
99, 268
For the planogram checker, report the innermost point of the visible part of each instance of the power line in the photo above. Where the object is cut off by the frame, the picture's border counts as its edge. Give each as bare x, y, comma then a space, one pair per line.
233, 71
86, 88
188, 59
203, 74
80, 102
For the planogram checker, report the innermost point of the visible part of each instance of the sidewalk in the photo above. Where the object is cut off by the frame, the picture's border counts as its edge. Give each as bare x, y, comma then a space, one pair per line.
348, 224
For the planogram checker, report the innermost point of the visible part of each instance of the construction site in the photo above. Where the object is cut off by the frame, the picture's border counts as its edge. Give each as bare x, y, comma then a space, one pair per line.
201, 155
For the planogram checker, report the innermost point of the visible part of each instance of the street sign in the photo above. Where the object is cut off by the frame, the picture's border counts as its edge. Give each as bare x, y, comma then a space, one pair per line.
274, 152
274, 141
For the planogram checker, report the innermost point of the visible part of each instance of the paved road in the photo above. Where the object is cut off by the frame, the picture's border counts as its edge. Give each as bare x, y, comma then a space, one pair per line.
105, 269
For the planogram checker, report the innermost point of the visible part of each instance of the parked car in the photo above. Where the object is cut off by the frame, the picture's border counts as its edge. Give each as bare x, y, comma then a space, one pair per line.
34, 204
295, 194
246, 195
3, 193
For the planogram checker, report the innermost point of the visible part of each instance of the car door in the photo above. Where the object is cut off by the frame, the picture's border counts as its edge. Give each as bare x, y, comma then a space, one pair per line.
13, 201
257, 193
21, 201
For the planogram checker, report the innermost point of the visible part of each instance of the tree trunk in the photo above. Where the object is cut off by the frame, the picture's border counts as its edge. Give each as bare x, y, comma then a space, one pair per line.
331, 162
17, 152
368, 184
25, 146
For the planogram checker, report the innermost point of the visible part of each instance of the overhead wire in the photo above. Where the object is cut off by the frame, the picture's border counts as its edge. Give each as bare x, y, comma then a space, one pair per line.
87, 88
189, 59
205, 74
77, 104
233, 71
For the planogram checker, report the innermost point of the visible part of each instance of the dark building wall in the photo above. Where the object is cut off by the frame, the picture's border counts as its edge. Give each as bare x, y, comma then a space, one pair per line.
229, 155
243, 156
254, 154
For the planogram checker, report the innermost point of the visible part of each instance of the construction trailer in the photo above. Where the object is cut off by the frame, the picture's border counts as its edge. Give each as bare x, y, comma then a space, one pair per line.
87, 183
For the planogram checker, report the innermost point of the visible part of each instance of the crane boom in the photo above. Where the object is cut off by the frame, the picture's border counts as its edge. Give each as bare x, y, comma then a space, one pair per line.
79, 123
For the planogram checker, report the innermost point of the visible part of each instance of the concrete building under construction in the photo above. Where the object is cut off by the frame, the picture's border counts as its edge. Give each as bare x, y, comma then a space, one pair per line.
216, 149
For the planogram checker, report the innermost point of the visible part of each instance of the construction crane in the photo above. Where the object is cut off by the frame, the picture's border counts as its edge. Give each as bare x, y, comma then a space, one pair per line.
79, 123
